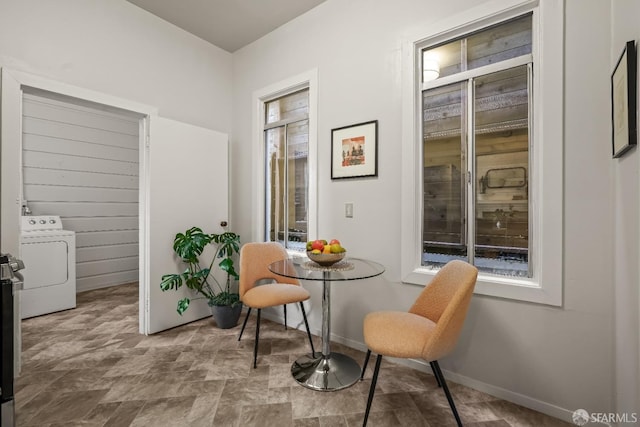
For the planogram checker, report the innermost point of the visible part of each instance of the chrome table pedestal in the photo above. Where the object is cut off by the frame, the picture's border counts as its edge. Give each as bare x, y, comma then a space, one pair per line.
327, 371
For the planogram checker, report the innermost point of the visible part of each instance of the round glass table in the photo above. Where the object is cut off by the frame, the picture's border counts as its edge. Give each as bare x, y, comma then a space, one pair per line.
328, 371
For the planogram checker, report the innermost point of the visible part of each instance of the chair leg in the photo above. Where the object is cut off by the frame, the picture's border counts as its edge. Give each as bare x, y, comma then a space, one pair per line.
304, 316
255, 345
372, 389
245, 323
435, 375
366, 362
446, 392
285, 316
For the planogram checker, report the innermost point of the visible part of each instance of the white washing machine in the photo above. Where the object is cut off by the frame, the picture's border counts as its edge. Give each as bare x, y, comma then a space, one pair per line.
49, 255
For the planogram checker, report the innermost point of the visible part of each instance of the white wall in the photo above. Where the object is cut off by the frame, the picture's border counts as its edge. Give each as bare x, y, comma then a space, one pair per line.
553, 359
624, 21
116, 48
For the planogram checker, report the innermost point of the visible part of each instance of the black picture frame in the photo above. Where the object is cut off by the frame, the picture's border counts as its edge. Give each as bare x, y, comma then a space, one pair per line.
354, 151
623, 102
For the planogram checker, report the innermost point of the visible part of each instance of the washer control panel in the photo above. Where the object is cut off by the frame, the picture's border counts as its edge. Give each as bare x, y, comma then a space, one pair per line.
41, 222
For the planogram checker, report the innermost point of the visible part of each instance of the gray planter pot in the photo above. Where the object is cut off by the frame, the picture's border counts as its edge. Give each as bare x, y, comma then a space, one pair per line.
226, 316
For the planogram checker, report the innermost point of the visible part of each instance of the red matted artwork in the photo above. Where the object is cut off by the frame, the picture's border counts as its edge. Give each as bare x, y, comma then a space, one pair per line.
354, 151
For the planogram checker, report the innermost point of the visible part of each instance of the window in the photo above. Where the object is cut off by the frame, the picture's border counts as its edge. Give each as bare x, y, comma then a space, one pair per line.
286, 138
482, 149
475, 135
285, 161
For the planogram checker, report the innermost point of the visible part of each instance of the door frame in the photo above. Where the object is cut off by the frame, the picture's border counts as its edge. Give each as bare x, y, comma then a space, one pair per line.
12, 83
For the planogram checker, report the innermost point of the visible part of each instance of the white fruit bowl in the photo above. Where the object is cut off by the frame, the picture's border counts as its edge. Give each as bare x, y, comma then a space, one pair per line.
326, 260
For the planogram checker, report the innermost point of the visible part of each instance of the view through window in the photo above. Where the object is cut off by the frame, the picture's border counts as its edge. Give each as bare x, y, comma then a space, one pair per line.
286, 138
476, 133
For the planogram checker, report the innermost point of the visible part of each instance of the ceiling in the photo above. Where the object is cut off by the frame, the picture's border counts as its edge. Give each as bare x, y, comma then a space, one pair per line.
228, 24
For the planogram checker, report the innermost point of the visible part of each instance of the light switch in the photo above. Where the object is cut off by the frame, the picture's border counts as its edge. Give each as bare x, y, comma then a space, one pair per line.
348, 210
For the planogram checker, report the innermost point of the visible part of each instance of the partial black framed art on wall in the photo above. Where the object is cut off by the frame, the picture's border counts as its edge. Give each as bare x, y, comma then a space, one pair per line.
354, 151
623, 101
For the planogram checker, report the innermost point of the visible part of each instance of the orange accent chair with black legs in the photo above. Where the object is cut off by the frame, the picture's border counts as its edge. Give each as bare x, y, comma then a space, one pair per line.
429, 330
254, 267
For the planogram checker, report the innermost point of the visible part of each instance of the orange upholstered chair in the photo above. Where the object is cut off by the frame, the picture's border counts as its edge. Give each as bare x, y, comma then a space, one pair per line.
428, 331
254, 262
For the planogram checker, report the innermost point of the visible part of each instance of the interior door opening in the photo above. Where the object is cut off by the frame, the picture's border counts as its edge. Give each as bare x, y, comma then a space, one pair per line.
80, 162
56, 182
159, 188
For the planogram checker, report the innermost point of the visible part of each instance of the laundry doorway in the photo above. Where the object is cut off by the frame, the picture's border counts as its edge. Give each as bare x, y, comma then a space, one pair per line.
80, 162
168, 191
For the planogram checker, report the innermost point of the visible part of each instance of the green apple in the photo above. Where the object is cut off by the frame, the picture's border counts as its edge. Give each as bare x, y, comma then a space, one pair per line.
336, 248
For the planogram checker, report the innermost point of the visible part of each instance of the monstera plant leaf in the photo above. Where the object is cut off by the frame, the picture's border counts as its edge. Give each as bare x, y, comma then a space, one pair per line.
229, 244
183, 304
190, 245
227, 265
171, 281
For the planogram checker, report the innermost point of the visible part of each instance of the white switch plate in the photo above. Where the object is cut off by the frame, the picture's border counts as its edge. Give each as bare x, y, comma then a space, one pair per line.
348, 210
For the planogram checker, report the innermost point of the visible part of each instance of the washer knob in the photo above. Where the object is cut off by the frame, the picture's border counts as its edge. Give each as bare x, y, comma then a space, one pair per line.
32, 221
42, 221
52, 221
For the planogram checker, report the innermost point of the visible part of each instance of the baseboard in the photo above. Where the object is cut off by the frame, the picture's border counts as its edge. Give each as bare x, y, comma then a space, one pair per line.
100, 286
499, 392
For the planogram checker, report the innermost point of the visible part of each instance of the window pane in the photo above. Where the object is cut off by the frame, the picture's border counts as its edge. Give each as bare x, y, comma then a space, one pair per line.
287, 184
502, 172
504, 41
444, 124
297, 185
445, 59
275, 181
287, 107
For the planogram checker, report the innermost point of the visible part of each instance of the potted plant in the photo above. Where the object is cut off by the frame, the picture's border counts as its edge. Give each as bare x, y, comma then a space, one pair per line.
189, 246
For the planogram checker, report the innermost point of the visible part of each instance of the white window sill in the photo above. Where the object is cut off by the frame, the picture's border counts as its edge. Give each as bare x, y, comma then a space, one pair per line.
495, 286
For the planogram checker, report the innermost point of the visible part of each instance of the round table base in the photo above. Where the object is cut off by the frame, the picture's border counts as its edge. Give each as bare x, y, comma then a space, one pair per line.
334, 372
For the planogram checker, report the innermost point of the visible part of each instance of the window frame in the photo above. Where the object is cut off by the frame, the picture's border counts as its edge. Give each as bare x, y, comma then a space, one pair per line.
546, 203
306, 80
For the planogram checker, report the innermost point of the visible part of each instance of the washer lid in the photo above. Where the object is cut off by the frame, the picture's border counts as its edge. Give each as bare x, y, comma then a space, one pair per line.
61, 234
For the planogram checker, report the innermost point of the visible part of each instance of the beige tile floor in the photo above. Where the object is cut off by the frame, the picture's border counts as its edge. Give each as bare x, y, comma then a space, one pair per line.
90, 367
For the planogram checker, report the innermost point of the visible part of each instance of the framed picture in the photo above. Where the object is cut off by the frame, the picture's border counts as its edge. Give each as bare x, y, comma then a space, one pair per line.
354, 151
623, 101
